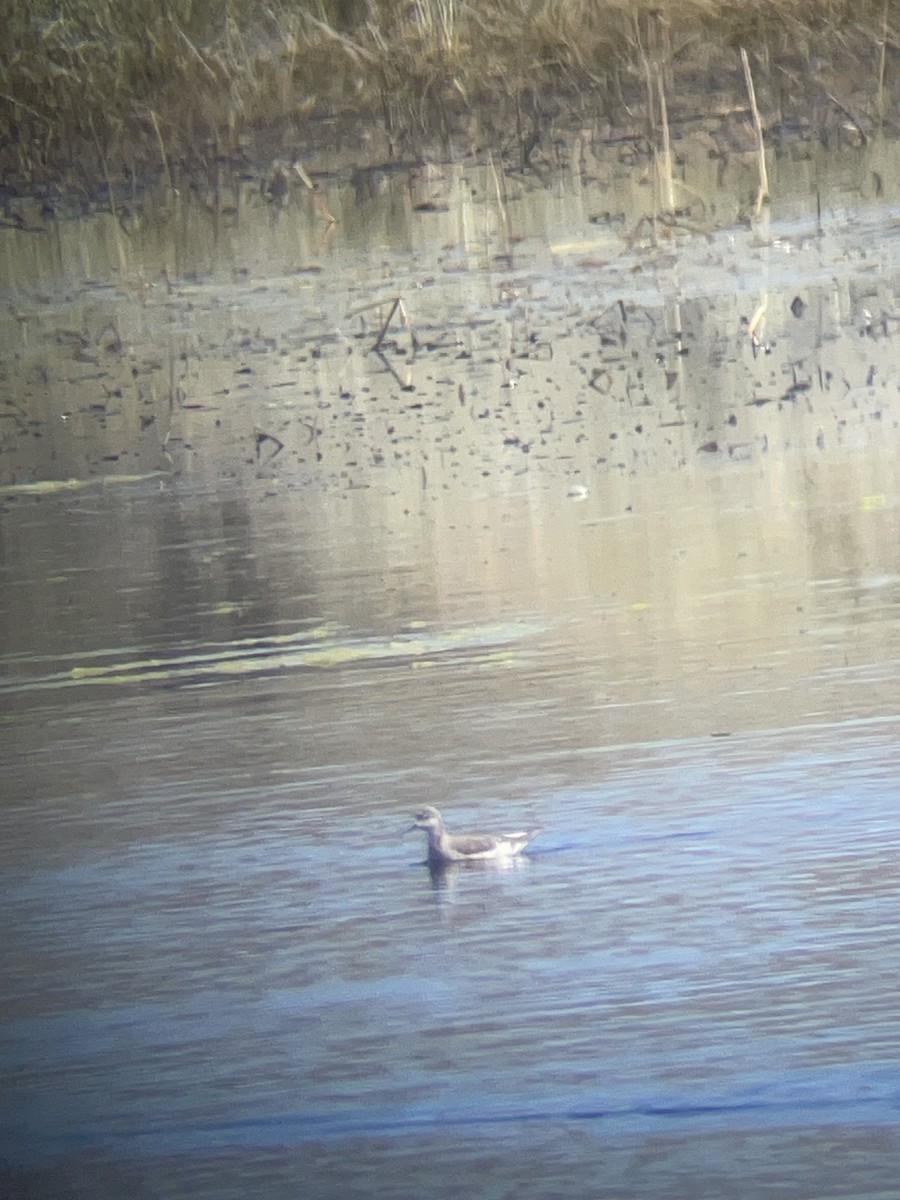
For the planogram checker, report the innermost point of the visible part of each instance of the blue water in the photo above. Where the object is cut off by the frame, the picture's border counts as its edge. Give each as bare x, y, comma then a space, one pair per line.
225, 685
702, 946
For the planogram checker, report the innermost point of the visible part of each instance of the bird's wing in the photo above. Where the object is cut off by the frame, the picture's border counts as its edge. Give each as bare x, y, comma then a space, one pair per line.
472, 843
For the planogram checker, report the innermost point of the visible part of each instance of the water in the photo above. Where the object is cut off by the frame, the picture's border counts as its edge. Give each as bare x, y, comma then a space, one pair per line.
643, 597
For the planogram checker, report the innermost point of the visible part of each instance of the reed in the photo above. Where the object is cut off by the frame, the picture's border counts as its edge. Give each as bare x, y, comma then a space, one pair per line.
394, 304
762, 194
155, 86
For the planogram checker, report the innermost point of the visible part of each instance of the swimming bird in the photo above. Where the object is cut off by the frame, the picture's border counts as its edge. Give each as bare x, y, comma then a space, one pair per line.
444, 847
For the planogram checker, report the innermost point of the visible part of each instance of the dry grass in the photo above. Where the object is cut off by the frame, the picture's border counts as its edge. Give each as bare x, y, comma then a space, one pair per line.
134, 84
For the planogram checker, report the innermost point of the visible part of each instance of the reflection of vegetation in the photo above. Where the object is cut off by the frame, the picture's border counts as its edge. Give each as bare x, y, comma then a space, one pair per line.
137, 81
488, 646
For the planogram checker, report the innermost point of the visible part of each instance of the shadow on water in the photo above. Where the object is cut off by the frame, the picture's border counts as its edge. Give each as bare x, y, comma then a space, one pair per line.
604, 537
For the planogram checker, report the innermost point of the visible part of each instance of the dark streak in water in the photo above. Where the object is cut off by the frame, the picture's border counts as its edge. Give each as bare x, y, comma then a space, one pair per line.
291, 1128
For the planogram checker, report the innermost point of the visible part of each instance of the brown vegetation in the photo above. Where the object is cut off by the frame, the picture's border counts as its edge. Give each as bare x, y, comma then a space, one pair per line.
133, 85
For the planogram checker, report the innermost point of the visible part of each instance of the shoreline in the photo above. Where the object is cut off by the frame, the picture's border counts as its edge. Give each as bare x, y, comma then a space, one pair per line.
109, 97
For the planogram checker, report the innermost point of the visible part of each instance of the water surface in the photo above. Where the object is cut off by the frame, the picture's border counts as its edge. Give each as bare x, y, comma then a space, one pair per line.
577, 550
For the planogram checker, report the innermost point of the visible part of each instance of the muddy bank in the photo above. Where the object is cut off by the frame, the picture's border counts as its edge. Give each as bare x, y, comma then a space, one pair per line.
99, 101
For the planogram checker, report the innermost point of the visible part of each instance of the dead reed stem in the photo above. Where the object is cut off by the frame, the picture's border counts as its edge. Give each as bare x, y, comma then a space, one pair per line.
756, 328
502, 201
667, 180
314, 193
397, 305
162, 150
879, 95
763, 194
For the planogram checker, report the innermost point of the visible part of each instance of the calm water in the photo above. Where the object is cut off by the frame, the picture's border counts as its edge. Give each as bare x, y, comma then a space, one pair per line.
584, 558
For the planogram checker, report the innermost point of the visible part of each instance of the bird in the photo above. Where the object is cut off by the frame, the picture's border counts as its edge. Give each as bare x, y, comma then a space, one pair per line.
444, 847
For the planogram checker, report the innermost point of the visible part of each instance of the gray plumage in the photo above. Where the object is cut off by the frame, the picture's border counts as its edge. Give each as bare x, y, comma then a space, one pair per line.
445, 847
